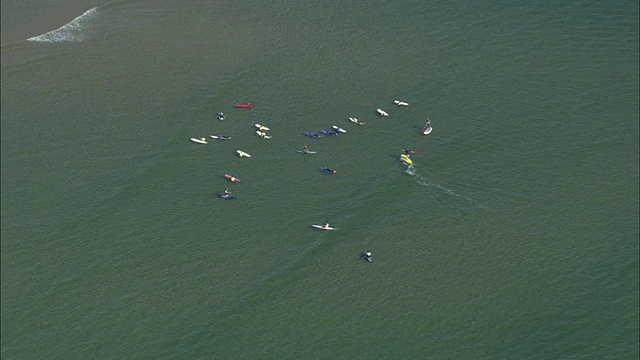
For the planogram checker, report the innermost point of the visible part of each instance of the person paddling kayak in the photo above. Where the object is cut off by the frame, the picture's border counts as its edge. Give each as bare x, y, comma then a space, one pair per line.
327, 170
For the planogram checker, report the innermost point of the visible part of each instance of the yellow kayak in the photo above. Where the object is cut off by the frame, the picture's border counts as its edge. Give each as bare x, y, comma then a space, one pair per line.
406, 159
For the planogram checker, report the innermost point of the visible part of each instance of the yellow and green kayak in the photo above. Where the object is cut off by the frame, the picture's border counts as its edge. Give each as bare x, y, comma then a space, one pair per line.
407, 160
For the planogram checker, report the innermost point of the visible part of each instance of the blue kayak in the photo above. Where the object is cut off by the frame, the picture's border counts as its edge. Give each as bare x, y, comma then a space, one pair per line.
329, 132
327, 170
313, 135
227, 196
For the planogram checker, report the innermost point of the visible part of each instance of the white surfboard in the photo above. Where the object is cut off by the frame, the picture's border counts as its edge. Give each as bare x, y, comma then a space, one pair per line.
199, 141
322, 227
339, 129
242, 153
400, 103
382, 112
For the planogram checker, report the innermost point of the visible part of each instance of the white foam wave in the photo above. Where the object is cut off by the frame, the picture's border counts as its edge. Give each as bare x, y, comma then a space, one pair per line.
73, 31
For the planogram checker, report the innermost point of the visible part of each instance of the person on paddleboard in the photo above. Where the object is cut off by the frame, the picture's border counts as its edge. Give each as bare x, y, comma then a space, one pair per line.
227, 192
305, 148
367, 256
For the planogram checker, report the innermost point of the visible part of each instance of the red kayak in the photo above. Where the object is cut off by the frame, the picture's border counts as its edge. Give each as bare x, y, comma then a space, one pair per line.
232, 178
245, 105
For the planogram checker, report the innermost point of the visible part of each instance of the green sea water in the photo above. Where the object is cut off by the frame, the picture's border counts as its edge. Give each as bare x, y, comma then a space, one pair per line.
513, 236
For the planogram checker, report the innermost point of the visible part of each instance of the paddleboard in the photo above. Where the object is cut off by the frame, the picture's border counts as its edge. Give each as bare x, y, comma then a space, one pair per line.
339, 129
199, 141
261, 127
328, 132
263, 135
400, 103
221, 137
305, 152
232, 178
406, 159
242, 153
245, 105
382, 112
322, 227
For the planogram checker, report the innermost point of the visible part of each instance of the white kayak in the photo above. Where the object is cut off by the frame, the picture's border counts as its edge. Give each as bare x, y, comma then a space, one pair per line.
199, 141
337, 128
427, 129
242, 153
322, 227
261, 127
263, 134
382, 112
221, 137
400, 103
356, 121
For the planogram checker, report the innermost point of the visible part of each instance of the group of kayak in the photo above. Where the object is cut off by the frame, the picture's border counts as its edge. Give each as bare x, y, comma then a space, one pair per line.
335, 130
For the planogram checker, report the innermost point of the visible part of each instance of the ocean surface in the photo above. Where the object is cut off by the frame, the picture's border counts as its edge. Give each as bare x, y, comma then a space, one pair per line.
514, 235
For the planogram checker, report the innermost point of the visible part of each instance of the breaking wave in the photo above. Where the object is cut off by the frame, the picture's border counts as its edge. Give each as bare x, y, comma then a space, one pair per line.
73, 31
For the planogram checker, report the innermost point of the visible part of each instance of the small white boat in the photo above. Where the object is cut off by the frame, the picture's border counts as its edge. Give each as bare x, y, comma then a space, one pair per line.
400, 103
427, 129
199, 141
243, 154
262, 127
263, 134
382, 112
356, 121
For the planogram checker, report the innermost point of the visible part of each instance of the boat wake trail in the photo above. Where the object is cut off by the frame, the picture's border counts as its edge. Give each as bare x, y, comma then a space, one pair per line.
411, 170
75, 30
